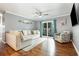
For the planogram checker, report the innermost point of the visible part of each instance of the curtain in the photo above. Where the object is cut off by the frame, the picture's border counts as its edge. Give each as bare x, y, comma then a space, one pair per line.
41, 29
55, 31
53, 27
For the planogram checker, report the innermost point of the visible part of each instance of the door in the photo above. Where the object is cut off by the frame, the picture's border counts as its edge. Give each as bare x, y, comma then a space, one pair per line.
47, 29
44, 29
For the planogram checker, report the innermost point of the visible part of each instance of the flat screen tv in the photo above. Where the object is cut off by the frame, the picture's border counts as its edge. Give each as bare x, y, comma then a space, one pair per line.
73, 16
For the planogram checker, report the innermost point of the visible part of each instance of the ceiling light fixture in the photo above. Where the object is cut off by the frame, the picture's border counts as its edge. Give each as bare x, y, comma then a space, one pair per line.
40, 16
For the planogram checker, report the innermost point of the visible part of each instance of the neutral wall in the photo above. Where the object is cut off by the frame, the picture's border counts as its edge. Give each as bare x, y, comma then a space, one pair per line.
11, 23
37, 25
63, 27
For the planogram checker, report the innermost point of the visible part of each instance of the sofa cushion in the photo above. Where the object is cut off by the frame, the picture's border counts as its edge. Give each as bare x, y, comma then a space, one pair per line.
25, 32
29, 32
35, 32
24, 38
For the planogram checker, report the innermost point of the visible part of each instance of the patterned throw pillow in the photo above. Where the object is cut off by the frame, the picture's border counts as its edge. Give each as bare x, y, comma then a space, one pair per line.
32, 32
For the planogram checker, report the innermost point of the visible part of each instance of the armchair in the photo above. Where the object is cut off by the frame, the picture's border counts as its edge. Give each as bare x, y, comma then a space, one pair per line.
63, 37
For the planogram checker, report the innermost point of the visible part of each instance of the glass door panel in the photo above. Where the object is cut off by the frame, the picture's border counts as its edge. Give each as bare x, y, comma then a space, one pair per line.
44, 29
49, 28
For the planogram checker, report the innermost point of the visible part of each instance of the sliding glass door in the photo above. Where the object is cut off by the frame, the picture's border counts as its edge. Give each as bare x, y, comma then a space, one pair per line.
44, 29
47, 29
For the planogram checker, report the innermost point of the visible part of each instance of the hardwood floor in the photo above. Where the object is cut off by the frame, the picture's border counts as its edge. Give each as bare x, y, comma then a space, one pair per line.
44, 49
65, 49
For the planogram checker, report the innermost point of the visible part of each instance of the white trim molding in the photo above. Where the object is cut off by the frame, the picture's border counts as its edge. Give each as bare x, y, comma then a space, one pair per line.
75, 48
3, 42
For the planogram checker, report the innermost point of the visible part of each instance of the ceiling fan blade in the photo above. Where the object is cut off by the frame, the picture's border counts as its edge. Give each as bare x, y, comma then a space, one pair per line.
39, 13
37, 10
46, 14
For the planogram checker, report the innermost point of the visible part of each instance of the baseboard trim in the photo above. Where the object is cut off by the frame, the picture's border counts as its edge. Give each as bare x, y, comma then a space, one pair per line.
75, 48
3, 42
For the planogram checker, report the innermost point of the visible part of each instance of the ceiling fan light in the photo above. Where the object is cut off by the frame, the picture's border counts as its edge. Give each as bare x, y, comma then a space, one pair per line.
45, 14
40, 16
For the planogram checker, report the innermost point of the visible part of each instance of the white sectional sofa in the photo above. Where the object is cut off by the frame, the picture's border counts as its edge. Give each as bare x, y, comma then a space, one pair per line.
20, 39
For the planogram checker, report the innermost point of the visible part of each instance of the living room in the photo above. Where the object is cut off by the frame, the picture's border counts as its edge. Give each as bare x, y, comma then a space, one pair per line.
37, 29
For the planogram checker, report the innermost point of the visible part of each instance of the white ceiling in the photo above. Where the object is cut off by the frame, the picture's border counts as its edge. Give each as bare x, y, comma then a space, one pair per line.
27, 10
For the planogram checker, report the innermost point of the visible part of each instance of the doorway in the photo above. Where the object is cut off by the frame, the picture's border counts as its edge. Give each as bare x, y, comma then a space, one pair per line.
48, 28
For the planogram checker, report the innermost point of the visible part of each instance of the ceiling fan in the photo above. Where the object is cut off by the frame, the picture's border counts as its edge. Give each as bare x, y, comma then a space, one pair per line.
40, 13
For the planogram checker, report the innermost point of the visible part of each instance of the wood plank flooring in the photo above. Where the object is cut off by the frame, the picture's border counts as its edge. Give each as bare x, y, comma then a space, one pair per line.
42, 49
